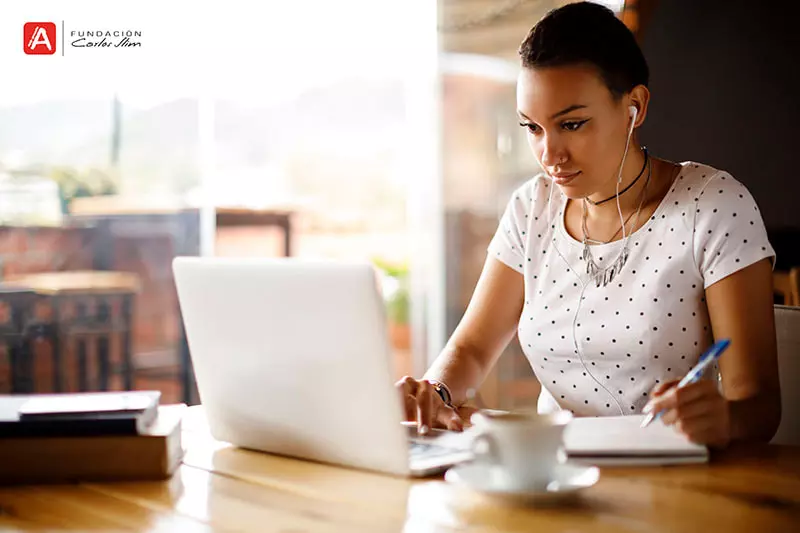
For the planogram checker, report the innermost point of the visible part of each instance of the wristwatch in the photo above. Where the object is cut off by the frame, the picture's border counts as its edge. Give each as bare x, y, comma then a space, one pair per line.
443, 392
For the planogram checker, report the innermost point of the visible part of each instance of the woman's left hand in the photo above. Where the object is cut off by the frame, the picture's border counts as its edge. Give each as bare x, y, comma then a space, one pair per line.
697, 410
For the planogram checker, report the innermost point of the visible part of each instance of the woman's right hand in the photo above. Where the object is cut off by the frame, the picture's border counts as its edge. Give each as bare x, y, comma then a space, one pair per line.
424, 406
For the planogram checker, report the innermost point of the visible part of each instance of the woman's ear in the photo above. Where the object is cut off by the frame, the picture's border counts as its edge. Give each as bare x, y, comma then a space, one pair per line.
640, 98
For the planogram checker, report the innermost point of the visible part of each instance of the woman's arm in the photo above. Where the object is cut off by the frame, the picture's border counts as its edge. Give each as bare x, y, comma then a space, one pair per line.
749, 408
741, 309
487, 326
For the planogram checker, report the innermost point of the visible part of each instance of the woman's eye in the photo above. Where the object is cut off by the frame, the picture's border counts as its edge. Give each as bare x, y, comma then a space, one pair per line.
574, 125
533, 128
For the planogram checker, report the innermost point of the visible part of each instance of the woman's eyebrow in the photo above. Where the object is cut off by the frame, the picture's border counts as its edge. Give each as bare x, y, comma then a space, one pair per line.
567, 110
556, 115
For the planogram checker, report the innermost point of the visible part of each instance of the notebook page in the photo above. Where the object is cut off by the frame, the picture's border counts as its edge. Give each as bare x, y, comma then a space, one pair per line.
622, 436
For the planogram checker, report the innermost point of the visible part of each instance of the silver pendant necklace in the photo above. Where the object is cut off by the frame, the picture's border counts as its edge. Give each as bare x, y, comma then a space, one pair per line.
605, 275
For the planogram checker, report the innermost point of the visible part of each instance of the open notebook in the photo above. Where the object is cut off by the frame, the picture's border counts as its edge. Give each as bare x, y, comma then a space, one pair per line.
618, 440
610, 441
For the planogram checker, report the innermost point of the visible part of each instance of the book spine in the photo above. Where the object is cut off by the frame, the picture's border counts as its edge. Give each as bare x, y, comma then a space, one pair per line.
70, 428
68, 459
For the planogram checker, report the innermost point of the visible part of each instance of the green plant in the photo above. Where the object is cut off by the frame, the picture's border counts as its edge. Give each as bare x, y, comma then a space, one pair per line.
74, 183
397, 301
397, 307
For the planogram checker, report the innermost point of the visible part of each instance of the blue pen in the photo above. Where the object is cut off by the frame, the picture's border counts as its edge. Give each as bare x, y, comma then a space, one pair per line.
710, 355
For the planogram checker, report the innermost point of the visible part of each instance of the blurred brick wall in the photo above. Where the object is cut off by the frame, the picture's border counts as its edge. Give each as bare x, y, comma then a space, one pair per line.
156, 321
41, 249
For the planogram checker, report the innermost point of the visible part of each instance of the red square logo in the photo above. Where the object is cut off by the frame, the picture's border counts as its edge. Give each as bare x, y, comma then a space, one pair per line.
39, 38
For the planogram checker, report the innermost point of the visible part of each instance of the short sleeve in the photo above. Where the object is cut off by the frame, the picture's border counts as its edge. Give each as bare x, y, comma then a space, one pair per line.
729, 233
509, 242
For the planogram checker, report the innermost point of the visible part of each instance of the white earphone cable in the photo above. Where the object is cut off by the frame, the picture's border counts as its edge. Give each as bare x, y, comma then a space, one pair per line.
634, 112
575, 342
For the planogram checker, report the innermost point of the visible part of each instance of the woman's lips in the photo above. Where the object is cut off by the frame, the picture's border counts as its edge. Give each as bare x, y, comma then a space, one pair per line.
564, 178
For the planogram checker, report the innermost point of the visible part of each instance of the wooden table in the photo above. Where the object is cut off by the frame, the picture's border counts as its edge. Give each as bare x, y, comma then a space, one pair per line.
222, 488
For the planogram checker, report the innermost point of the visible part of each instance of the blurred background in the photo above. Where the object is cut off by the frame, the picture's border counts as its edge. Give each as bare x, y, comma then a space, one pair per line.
351, 129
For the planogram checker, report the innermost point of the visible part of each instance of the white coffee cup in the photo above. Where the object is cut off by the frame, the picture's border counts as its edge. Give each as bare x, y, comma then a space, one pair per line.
522, 449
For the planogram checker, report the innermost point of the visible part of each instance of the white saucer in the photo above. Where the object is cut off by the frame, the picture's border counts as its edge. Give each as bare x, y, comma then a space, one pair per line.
567, 481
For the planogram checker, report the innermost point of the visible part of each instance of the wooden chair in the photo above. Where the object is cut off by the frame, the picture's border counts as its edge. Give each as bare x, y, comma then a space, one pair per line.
787, 326
787, 285
87, 306
16, 312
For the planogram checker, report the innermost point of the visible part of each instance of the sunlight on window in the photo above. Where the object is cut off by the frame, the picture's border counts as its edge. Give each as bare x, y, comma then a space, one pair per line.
319, 115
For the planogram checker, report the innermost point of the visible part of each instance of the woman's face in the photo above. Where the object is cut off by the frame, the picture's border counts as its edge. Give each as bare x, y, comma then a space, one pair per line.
575, 127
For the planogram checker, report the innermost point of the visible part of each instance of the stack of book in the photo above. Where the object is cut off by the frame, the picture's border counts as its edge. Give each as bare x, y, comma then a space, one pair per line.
104, 436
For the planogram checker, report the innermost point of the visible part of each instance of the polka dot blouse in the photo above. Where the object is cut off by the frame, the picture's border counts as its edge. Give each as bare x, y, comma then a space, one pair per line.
600, 350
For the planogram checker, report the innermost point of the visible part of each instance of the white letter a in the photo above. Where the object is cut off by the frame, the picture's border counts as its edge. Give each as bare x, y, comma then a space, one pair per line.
39, 37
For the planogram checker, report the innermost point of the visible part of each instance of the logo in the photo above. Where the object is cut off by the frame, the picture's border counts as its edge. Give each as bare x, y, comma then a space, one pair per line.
104, 38
39, 38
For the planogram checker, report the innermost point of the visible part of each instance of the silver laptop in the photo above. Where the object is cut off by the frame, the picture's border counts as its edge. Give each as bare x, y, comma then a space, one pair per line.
292, 357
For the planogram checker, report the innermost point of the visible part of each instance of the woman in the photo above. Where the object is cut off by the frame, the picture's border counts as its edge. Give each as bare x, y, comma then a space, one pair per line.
616, 268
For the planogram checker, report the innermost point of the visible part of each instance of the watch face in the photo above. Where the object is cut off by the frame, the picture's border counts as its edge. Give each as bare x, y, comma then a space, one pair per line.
442, 392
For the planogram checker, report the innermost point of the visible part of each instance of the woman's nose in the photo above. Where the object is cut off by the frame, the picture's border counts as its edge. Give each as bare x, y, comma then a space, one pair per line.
553, 153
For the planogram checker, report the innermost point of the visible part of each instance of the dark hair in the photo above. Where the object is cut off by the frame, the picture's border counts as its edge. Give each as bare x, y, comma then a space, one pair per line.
587, 33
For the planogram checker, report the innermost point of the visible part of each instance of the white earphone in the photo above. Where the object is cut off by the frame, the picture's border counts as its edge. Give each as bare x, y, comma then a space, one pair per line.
632, 111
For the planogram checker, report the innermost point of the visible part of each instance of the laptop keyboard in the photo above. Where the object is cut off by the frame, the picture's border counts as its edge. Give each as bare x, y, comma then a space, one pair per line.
424, 450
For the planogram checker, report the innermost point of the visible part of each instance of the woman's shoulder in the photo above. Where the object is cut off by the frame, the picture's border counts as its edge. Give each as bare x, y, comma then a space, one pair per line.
697, 179
534, 187
728, 232
534, 196
706, 193
525, 213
